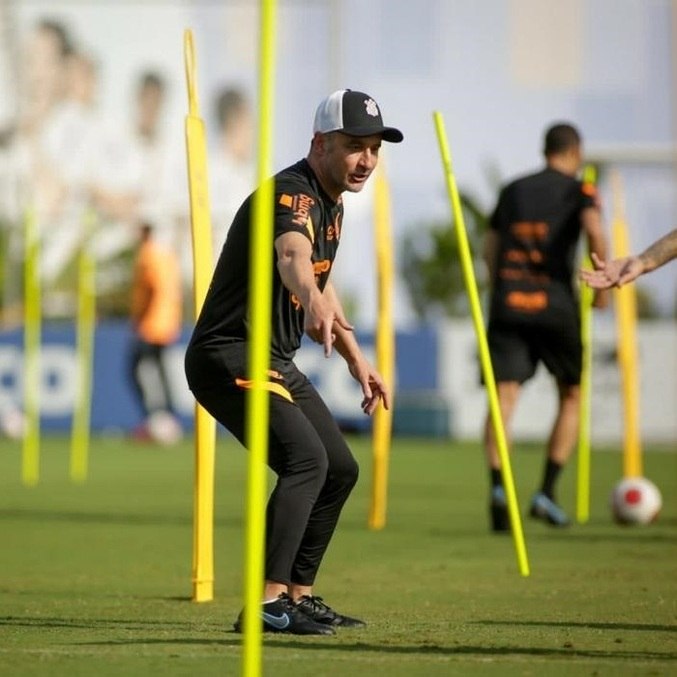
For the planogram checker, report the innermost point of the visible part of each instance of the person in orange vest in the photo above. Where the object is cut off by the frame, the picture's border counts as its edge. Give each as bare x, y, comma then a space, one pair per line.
156, 312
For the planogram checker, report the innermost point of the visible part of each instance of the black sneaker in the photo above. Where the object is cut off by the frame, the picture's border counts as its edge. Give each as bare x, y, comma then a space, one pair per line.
282, 615
315, 609
498, 511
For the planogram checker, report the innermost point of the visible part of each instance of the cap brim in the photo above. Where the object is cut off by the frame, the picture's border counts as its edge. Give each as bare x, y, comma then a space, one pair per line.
389, 134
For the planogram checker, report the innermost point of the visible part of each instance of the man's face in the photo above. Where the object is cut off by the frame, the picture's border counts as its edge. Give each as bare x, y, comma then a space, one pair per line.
348, 161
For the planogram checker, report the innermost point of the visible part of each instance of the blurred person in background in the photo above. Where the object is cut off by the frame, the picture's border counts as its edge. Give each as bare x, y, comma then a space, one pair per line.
43, 85
137, 159
130, 186
121, 183
534, 315
156, 323
27, 176
164, 197
42, 78
71, 138
231, 166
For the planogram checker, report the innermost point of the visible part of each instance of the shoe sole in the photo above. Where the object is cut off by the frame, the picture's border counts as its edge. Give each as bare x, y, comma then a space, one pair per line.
544, 517
327, 631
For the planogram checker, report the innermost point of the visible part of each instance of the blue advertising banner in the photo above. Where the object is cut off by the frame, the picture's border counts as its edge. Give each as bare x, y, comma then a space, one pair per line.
115, 410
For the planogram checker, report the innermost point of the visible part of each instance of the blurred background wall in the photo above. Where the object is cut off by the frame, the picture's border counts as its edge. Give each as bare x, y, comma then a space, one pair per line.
500, 71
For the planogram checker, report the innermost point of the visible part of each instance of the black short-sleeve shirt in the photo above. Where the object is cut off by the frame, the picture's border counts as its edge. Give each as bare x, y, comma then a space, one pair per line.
301, 205
538, 221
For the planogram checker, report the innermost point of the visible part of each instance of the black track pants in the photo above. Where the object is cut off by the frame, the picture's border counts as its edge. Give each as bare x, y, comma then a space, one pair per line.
315, 468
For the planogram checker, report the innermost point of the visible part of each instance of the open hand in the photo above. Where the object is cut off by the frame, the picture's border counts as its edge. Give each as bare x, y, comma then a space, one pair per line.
373, 386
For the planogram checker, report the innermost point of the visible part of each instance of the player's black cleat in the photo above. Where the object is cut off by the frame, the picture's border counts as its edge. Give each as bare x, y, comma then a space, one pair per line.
546, 509
316, 609
282, 615
498, 510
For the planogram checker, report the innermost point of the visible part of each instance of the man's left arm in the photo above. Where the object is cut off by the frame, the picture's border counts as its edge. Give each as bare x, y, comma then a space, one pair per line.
373, 385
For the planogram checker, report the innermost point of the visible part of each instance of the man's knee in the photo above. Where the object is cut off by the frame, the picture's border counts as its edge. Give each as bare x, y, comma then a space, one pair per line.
344, 473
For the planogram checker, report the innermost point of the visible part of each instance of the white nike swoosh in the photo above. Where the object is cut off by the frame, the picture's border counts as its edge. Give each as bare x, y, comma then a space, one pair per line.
278, 622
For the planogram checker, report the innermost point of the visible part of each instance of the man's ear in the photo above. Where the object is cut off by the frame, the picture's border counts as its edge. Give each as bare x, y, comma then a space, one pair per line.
319, 142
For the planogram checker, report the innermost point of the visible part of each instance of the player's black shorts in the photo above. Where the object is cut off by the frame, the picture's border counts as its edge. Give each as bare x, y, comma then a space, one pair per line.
516, 350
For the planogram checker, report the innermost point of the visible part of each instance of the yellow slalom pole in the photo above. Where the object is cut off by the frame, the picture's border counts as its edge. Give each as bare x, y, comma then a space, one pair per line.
485, 358
86, 319
626, 328
30, 466
205, 426
385, 351
260, 307
583, 465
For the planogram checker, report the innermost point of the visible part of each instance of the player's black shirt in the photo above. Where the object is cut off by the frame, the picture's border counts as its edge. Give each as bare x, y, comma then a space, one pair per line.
538, 221
301, 205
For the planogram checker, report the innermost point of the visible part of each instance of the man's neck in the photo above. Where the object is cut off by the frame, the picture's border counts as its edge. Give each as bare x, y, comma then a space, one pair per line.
562, 164
321, 179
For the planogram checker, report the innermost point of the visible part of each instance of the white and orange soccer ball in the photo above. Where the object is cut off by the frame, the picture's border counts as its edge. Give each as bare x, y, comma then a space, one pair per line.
636, 500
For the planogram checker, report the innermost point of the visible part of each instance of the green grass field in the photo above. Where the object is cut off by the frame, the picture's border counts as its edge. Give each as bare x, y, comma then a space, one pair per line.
95, 579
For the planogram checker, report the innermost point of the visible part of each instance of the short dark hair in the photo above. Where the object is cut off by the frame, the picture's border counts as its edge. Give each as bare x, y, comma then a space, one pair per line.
151, 79
560, 138
60, 32
229, 102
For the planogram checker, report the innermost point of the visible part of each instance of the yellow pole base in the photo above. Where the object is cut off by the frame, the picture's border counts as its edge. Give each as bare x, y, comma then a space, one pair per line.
203, 591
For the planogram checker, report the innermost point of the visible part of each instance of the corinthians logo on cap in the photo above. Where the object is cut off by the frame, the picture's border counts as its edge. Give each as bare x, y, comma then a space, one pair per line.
353, 113
372, 108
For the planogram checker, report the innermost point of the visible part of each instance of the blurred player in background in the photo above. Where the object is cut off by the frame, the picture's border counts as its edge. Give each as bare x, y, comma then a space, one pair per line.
618, 272
26, 167
156, 322
70, 141
534, 316
315, 468
25, 174
43, 78
231, 167
133, 186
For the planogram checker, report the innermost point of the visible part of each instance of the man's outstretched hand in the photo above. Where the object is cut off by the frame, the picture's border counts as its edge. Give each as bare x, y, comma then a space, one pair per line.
613, 273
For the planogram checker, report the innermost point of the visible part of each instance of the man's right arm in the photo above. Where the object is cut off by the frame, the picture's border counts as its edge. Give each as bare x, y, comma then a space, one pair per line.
294, 263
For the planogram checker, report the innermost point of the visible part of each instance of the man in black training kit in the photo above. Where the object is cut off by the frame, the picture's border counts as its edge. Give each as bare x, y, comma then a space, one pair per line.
534, 316
315, 468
